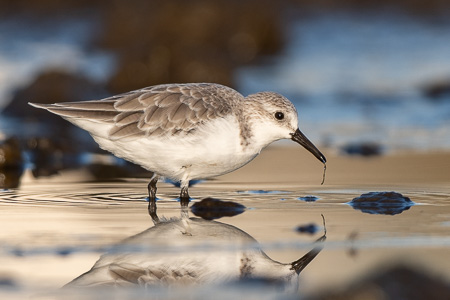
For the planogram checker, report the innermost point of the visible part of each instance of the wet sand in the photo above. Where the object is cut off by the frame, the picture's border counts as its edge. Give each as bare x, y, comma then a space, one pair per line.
48, 215
293, 165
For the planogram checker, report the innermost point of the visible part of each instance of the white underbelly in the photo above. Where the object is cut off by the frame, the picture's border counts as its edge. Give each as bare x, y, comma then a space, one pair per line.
214, 151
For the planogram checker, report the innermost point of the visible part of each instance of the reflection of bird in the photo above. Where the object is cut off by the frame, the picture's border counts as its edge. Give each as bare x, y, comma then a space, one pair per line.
191, 250
186, 131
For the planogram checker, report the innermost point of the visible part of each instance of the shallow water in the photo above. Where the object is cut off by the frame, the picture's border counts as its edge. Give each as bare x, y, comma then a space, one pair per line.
55, 229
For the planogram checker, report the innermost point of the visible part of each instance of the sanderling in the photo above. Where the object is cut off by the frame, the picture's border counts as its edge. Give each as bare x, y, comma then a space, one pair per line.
190, 251
186, 131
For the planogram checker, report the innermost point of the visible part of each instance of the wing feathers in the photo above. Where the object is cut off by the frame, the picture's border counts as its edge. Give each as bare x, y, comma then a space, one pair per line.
125, 118
106, 116
179, 114
118, 132
127, 272
129, 102
162, 110
89, 105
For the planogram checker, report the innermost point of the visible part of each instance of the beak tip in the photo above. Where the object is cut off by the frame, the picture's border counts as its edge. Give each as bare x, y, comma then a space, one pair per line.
300, 138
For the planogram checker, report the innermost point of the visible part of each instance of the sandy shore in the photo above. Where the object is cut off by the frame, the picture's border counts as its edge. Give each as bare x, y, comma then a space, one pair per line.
293, 165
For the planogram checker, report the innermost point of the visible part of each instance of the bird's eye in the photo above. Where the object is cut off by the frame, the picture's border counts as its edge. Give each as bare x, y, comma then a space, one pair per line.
279, 115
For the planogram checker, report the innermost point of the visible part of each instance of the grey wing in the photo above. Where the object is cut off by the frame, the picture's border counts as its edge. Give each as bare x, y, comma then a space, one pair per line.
130, 274
161, 110
117, 274
172, 109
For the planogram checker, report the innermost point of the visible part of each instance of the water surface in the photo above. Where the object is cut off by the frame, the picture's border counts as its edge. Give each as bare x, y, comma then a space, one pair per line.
55, 231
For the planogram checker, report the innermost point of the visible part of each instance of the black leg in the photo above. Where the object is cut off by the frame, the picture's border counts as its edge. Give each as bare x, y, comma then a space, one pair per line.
184, 196
152, 188
152, 199
184, 202
152, 211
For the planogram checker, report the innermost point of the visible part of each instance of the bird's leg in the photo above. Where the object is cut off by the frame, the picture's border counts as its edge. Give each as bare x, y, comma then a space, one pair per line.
152, 199
152, 212
184, 202
152, 187
184, 194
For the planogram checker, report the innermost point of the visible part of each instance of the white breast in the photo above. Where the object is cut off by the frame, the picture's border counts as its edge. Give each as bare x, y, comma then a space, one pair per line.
212, 150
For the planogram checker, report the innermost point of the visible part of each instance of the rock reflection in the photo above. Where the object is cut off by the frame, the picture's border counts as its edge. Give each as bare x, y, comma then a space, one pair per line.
191, 251
210, 209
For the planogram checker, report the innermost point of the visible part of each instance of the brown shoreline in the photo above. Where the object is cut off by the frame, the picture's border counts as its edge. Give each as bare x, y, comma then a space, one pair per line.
289, 165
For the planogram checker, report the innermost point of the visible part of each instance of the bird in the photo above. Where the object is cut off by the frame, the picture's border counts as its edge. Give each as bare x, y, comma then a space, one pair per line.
191, 251
186, 131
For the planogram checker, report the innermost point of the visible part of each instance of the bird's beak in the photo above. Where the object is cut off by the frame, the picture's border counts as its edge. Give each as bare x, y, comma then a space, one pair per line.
300, 138
301, 263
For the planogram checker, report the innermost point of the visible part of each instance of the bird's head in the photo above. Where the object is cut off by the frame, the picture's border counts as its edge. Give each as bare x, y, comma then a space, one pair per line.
276, 118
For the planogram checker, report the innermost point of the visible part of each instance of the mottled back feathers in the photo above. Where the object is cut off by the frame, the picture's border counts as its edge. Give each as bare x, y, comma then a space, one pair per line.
163, 110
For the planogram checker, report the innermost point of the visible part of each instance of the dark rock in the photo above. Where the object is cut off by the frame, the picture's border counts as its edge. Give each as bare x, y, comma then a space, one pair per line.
363, 149
385, 203
210, 209
398, 282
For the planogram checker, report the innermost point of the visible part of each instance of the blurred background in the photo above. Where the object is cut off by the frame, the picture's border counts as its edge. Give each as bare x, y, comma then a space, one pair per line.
367, 78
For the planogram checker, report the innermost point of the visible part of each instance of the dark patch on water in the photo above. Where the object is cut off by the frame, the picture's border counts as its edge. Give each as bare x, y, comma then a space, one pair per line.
395, 282
308, 228
363, 149
261, 192
381, 203
64, 251
8, 283
210, 209
257, 283
18, 252
157, 199
309, 198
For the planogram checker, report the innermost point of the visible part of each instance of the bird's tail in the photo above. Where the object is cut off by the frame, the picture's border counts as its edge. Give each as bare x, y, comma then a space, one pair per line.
84, 110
